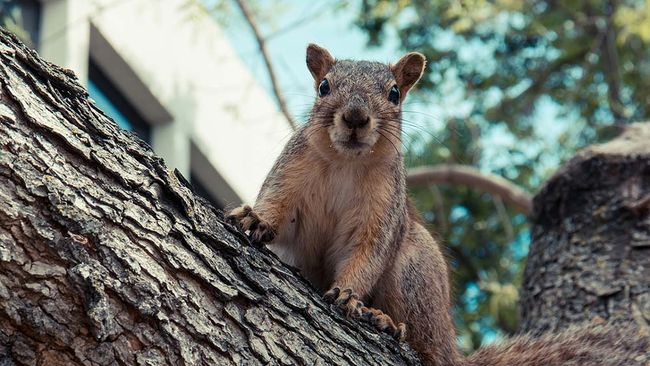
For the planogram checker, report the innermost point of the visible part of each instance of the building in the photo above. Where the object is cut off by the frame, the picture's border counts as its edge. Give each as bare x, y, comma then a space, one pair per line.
165, 70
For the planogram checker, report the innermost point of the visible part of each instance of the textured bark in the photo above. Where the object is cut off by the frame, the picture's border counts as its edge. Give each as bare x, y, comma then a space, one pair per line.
107, 257
590, 252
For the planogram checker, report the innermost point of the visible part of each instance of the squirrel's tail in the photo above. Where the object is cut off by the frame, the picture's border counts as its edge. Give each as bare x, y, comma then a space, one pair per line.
593, 345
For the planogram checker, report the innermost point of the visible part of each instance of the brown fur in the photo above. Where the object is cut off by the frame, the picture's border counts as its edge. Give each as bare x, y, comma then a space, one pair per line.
335, 206
579, 345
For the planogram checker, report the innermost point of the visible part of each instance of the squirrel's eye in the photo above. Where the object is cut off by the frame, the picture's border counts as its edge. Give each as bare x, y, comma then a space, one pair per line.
393, 95
324, 88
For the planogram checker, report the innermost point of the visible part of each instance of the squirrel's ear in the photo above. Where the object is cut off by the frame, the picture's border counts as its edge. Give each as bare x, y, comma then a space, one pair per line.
319, 61
408, 70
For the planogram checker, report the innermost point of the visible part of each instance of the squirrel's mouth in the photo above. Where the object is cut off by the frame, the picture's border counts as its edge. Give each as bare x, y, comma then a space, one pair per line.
352, 142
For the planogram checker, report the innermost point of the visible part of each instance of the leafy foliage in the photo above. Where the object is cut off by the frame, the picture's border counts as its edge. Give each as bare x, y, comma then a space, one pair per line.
546, 77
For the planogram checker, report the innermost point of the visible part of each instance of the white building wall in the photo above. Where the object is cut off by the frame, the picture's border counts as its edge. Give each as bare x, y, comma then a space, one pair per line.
65, 35
178, 69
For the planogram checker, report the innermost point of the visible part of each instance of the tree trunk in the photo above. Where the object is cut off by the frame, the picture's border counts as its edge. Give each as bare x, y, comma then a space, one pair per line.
590, 252
106, 257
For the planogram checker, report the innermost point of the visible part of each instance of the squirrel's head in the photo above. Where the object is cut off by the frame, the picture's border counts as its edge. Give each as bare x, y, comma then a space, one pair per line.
358, 108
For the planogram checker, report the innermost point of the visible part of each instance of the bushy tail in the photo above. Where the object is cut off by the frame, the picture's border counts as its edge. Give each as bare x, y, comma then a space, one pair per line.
592, 345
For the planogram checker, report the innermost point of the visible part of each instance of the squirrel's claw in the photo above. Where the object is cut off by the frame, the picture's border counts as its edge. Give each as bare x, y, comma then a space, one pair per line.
346, 300
400, 333
332, 295
384, 323
236, 216
245, 219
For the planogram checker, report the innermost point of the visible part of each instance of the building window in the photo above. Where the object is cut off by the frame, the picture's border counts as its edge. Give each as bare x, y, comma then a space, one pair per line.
23, 18
109, 99
200, 189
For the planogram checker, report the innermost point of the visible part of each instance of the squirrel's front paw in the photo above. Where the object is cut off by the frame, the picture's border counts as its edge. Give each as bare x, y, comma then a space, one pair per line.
349, 303
245, 219
346, 300
383, 322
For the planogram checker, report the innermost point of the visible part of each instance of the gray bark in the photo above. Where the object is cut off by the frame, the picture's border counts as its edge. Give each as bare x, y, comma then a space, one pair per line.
107, 257
590, 254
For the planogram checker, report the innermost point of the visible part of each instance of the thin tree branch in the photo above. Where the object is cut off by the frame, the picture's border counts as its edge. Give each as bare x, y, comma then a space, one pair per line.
472, 177
261, 43
457, 254
323, 9
526, 97
439, 206
612, 64
505, 220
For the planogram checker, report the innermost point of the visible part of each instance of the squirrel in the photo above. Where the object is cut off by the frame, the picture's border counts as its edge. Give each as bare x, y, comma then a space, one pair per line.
335, 206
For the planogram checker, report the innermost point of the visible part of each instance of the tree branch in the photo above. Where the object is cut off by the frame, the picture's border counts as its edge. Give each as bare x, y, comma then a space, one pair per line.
457, 253
505, 220
439, 206
261, 43
323, 9
613, 67
472, 177
527, 96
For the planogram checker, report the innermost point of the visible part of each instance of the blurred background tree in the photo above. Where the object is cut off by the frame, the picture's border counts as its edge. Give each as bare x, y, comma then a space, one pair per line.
512, 88
584, 63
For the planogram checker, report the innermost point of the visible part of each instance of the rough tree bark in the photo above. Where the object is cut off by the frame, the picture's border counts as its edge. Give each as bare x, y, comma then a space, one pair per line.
106, 257
590, 252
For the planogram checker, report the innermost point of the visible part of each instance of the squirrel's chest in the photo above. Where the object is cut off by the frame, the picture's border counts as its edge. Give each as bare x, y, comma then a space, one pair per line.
332, 195
328, 204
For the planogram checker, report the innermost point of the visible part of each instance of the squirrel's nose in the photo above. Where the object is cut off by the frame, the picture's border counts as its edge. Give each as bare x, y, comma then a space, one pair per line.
355, 118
